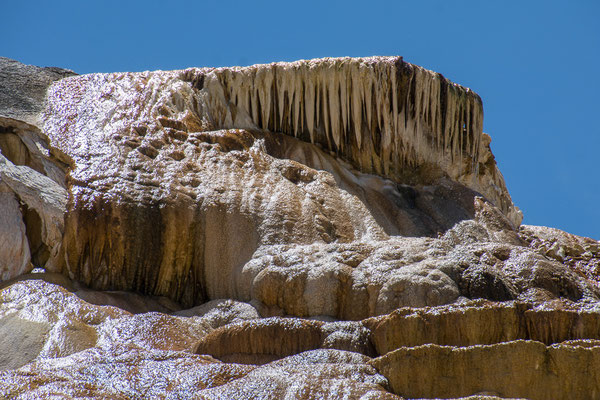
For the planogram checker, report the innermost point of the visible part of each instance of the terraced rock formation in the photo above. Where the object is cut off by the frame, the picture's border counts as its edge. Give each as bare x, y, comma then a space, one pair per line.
331, 228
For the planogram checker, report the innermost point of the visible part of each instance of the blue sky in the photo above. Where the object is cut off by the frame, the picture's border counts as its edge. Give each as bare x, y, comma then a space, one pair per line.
536, 65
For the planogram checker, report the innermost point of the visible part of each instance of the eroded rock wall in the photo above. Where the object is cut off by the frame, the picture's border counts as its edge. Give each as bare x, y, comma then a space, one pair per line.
34, 197
32, 173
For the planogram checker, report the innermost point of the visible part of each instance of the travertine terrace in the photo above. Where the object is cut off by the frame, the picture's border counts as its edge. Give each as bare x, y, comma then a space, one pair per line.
333, 228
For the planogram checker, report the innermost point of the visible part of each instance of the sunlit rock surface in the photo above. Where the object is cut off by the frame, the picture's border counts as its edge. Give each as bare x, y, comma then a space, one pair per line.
525, 369
332, 228
69, 347
165, 203
55, 343
32, 173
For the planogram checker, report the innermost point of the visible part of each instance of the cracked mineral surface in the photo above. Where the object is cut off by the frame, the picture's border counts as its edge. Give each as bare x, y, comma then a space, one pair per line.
333, 228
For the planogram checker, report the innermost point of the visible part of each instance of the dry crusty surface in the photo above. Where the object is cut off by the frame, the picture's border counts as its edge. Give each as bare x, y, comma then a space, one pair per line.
331, 228
57, 343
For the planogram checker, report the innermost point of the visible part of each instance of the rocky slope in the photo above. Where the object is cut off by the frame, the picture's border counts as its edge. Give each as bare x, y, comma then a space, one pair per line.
332, 228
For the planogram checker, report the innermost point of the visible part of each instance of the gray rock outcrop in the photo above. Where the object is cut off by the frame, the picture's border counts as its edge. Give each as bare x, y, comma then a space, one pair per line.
23, 89
32, 173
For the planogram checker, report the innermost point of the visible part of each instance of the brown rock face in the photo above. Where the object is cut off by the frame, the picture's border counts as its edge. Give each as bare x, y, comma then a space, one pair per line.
33, 197
268, 339
483, 322
526, 369
332, 228
32, 173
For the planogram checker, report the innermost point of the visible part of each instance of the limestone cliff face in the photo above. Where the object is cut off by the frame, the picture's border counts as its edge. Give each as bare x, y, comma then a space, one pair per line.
383, 115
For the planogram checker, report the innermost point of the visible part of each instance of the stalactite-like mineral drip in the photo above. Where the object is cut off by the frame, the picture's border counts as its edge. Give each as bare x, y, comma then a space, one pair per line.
383, 115
403, 115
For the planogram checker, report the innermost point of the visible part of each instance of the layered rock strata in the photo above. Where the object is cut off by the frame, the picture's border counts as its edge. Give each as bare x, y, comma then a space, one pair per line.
523, 369
81, 350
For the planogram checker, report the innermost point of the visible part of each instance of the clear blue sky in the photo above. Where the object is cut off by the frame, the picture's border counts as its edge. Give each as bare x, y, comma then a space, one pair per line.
536, 65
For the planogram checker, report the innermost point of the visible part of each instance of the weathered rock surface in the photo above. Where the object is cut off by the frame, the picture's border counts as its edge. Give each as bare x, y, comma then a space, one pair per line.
482, 322
69, 347
163, 204
32, 173
268, 339
23, 89
579, 253
526, 369
57, 344
14, 248
331, 228
386, 116
58, 323
158, 192
33, 196
135, 373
